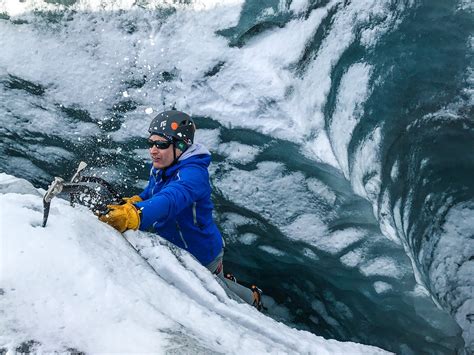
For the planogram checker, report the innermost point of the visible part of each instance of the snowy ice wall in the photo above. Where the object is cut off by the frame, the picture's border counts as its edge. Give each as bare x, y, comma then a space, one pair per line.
77, 285
403, 134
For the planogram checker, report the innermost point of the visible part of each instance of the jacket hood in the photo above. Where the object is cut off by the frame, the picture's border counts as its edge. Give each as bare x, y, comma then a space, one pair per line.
195, 154
193, 150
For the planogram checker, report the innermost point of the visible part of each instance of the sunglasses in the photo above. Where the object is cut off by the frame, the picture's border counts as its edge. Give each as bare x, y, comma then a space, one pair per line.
159, 144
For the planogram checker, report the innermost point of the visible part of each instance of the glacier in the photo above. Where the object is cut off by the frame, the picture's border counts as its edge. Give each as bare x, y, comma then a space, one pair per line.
380, 91
78, 286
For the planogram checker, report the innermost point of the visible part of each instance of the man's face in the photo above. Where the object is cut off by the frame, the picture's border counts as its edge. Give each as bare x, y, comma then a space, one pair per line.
162, 158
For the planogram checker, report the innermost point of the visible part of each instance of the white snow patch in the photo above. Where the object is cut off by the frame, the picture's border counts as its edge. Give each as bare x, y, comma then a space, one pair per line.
353, 92
353, 258
307, 227
299, 6
337, 241
382, 266
271, 250
310, 254
238, 152
209, 138
382, 287
321, 190
367, 163
248, 238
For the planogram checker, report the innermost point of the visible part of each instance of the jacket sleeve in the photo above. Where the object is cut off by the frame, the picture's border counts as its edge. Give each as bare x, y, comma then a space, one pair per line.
190, 184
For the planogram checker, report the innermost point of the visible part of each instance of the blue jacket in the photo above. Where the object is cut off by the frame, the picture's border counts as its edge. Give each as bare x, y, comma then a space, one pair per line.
177, 205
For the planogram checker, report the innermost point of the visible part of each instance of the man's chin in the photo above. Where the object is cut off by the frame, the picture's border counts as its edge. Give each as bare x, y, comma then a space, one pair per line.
157, 165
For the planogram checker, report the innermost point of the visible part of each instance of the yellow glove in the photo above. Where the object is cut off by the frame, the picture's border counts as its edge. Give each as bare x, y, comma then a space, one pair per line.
133, 199
122, 217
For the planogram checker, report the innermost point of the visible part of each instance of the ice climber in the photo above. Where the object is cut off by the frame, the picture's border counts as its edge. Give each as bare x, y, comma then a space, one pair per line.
176, 203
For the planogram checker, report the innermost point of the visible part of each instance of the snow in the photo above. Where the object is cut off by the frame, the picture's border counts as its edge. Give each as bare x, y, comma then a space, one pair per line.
353, 257
337, 241
320, 189
271, 250
353, 92
382, 287
238, 152
382, 266
208, 137
310, 254
78, 284
283, 196
248, 238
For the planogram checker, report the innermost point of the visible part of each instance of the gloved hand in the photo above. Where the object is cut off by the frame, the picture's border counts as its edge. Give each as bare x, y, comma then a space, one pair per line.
122, 217
133, 199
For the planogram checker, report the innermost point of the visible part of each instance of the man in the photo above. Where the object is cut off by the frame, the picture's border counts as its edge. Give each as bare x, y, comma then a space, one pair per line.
176, 203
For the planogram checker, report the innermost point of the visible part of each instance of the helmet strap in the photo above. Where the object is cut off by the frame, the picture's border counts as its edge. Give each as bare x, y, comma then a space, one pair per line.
175, 158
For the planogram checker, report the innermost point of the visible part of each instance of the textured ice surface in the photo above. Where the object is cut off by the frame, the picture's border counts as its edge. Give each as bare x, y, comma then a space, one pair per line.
452, 267
77, 284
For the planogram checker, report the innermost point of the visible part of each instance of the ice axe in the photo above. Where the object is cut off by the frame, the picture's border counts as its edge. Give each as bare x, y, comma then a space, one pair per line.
84, 189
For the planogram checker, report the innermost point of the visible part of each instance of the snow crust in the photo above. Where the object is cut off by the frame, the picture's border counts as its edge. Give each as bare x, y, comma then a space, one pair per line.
78, 284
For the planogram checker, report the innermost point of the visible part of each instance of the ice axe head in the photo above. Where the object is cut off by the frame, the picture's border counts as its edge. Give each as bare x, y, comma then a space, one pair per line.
82, 166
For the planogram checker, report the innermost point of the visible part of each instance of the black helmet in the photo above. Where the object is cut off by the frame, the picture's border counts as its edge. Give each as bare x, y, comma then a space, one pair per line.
175, 126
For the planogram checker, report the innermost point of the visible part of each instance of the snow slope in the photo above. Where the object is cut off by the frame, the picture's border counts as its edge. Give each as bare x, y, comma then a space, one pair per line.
77, 285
